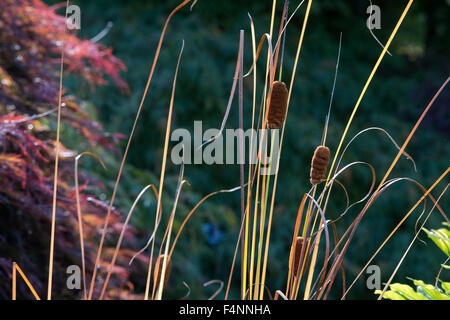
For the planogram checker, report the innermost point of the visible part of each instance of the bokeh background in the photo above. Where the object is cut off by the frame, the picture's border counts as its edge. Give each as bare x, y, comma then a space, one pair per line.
400, 90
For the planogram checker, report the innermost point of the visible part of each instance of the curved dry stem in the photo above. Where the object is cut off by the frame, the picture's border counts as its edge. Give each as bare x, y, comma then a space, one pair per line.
440, 270
188, 293
191, 213
103, 33
366, 196
119, 242
387, 134
279, 293
152, 236
334, 179
220, 282
373, 35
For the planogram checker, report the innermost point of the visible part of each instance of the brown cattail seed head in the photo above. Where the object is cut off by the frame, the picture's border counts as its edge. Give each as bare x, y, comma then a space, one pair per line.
319, 164
299, 243
278, 105
158, 269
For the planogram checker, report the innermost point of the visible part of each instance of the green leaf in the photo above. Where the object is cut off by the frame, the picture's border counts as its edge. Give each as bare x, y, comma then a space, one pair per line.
401, 292
446, 287
430, 291
423, 291
441, 238
407, 291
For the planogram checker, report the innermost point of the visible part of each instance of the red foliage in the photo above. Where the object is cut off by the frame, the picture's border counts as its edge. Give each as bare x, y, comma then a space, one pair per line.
31, 37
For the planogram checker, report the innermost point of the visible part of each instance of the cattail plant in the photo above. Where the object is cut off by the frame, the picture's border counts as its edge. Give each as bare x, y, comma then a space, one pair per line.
299, 244
278, 105
319, 164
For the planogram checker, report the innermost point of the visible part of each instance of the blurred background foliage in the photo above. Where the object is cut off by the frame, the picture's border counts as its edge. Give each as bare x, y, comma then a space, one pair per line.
400, 90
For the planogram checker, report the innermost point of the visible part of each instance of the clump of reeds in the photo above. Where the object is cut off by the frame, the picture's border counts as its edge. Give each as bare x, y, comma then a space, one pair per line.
279, 98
